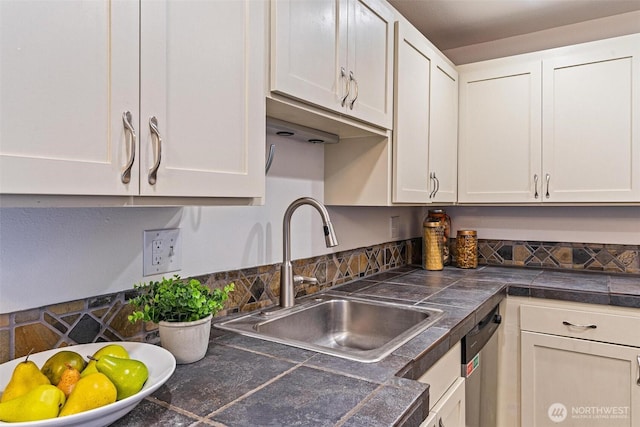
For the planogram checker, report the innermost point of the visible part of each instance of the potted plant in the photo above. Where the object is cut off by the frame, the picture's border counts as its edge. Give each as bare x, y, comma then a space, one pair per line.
183, 311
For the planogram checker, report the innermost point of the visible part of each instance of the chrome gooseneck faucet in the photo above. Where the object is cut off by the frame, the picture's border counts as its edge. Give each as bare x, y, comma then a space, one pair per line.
287, 279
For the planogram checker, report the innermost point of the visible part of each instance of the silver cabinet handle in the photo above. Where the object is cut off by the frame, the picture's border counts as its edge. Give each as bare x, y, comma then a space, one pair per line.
353, 101
535, 183
437, 184
432, 184
591, 326
548, 178
440, 423
127, 121
638, 382
267, 166
343, 75
155, 134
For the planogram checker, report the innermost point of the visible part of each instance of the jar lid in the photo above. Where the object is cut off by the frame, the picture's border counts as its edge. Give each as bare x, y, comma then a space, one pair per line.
436, 211
467, 232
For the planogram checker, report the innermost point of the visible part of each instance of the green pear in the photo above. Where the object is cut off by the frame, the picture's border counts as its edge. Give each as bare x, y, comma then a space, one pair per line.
57, 364
41, 403
128, 375
108, 350
25, 377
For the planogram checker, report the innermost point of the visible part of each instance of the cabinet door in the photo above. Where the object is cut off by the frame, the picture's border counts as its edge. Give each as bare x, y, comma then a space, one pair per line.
309, 49
431, 421
202, 72
412, 96
443, 132
500, 133
370, 59
69, 70
451, 407
578, 383
592, 124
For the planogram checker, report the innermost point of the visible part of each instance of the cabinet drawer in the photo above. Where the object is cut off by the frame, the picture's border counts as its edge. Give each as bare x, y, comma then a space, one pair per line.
442, 374
605, 327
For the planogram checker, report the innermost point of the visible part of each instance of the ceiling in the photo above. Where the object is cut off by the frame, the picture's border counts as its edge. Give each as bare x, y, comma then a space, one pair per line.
452, 24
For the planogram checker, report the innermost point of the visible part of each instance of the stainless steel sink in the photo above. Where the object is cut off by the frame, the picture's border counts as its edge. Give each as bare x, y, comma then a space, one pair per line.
348, 327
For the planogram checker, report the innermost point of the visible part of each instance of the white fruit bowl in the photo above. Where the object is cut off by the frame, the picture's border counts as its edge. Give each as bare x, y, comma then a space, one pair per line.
159, 361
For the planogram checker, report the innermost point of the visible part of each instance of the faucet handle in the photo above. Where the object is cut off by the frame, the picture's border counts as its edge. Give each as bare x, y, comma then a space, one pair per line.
297, 280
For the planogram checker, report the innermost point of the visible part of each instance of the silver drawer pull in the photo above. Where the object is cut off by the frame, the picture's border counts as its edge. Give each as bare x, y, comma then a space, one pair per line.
535, 183
591, 326
638, 382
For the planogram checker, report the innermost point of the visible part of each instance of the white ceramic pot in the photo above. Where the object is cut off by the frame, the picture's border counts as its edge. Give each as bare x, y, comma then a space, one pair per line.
187, 341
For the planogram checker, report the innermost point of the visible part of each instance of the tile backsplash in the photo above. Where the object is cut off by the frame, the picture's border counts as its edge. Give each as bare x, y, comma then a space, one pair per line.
104, 318
572, 256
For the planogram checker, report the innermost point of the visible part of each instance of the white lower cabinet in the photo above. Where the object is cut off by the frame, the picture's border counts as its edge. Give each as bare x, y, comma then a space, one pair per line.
449, 411
579, 368
446, 391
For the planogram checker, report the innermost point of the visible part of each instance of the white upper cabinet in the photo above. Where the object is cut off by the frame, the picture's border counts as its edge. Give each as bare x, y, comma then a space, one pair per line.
416, 163
68, 72
414, 58
500, 135
591, 124
71, 68
335, 54
555, 126
425, 121
202, 78
443, 132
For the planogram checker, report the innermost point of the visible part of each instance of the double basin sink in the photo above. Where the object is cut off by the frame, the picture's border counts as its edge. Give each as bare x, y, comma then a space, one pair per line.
342, 326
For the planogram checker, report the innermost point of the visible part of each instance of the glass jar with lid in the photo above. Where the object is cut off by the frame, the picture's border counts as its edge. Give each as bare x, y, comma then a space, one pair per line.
433, 232
467, 249
445, 220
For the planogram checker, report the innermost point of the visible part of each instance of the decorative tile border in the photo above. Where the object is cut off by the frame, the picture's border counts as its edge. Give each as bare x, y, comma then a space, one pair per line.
571, 256
104, 318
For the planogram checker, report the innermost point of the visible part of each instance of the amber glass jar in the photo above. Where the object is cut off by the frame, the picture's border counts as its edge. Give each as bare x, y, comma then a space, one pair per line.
467, 249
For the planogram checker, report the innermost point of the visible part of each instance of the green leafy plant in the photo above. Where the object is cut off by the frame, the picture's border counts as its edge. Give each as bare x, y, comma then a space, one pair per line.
176, 300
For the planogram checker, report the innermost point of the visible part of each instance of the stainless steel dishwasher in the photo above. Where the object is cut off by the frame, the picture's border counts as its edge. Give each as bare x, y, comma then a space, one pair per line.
480, 368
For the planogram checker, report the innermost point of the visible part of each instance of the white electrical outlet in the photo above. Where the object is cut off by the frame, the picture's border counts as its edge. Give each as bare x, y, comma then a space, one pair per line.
162, 251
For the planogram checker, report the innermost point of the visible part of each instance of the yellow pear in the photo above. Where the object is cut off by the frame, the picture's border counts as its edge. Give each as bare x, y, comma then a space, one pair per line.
40, 403
115, 350
25, 377
92, 391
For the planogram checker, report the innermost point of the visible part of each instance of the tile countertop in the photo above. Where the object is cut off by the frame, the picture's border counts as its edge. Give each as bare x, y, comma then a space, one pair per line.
244, 381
